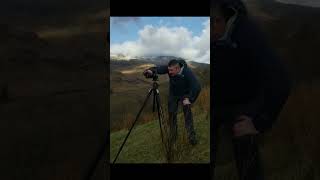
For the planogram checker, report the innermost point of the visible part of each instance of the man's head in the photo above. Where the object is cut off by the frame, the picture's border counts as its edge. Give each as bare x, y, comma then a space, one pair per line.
174, 67
219, 25
223, 10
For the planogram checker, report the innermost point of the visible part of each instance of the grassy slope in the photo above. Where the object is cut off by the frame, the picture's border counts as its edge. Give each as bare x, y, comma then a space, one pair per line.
144, 143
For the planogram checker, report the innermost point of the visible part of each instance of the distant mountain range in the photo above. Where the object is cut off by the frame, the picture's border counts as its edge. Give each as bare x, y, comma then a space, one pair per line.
151, 58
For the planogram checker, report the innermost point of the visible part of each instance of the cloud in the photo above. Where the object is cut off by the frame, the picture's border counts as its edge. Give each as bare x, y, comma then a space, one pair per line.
168, 41
121, 23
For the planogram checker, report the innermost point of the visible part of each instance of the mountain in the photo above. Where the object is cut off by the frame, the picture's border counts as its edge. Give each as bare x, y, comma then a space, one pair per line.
119, 57
152, 59
27, 43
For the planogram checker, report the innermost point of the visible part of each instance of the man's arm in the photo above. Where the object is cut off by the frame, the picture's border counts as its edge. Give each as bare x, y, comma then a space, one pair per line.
160, 69
193, 85
275, 82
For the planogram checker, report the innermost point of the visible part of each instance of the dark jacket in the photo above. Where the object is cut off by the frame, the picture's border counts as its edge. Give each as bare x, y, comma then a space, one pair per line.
248, 78
184, 85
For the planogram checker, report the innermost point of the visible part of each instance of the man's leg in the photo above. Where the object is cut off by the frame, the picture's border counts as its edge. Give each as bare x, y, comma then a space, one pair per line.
173, 108
173, 126
189, 124
247, 157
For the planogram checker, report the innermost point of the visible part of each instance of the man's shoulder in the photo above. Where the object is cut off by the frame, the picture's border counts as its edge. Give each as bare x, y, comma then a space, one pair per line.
182, 62
248, 33
187, 71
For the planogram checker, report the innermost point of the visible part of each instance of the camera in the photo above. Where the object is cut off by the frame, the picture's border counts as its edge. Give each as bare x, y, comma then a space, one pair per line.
152, 75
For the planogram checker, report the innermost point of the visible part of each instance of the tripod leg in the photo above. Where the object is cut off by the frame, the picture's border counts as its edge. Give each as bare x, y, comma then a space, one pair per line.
137, 117
167, 146
93, 167
160, 116
154, 101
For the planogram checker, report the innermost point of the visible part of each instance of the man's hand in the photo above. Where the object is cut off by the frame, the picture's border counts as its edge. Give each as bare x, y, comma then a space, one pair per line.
186, 101
244, 126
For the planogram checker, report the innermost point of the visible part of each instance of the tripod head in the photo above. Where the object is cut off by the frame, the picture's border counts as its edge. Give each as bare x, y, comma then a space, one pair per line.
155, 77
155, 84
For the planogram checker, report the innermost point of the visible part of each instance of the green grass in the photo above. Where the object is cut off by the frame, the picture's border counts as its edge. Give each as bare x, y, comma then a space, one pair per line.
144, 143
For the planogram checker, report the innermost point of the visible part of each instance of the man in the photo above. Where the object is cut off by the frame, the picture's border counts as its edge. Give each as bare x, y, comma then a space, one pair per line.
184, 88
250, 83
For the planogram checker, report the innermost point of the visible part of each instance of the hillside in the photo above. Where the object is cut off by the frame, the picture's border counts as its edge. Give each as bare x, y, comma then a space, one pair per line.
128, 89
52, 119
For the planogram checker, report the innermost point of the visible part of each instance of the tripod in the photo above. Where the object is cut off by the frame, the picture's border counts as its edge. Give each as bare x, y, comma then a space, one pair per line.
156, 103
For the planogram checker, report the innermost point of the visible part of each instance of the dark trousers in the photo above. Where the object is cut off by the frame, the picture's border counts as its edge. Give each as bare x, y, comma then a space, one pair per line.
188, 118
246, 153
247, 158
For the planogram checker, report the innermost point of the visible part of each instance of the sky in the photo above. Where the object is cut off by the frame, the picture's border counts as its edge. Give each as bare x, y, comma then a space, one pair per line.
186, 37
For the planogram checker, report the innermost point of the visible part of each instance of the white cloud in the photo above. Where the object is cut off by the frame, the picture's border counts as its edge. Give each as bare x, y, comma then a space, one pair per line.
170, 41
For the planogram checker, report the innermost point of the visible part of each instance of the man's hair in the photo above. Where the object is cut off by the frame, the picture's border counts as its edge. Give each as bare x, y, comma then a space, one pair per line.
174, 62
226, 7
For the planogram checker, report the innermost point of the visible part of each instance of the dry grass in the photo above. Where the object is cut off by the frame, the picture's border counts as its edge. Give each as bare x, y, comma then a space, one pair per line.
202, 105
291, 149
203, 101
